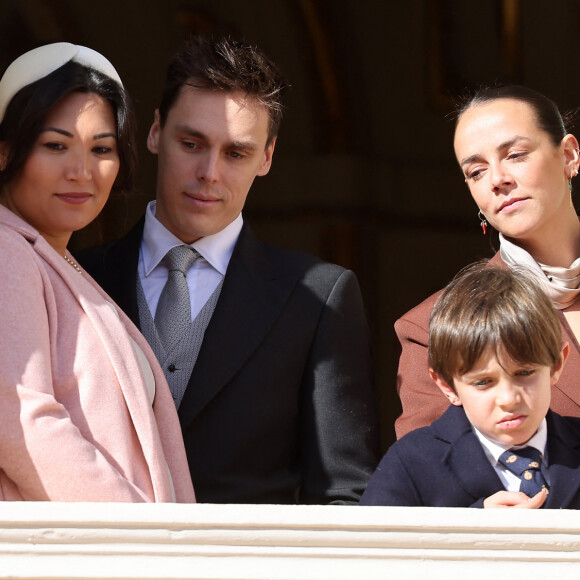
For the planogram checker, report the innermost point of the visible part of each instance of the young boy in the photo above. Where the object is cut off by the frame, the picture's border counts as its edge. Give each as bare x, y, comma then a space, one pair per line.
495, 352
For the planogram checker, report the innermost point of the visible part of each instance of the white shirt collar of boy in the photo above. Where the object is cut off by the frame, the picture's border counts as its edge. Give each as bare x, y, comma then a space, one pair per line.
216, 249
494, 450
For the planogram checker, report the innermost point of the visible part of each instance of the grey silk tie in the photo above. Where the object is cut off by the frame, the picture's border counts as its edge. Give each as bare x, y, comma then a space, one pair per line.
173, 314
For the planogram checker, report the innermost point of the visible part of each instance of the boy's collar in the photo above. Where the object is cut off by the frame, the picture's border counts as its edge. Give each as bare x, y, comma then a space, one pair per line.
494, 449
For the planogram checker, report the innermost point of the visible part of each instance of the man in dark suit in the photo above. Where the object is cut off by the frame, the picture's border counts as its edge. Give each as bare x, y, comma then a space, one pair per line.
495, 351
278, 405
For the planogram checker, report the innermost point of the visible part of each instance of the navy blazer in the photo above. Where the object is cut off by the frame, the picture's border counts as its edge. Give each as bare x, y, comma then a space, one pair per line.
444, 465
280, 406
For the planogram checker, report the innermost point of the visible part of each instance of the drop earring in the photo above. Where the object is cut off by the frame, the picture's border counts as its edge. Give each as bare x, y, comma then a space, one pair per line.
573, 173
482, 222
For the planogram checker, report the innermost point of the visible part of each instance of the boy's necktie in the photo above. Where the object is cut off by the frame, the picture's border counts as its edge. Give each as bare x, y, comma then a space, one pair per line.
526, 463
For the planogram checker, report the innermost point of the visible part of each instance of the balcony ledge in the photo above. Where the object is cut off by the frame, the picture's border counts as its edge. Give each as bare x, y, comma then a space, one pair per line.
130, 541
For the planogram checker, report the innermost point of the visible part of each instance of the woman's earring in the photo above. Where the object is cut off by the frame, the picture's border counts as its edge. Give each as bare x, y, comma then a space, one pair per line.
573, 173
482, 222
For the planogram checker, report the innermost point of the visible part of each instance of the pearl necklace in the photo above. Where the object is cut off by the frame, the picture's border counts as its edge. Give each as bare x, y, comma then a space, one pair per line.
73, 264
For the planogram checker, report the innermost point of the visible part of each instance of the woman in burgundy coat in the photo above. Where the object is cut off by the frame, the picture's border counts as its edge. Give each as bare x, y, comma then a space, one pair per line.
518, 161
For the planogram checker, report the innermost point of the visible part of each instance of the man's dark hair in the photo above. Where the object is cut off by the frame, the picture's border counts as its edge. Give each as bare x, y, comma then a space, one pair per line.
225, 65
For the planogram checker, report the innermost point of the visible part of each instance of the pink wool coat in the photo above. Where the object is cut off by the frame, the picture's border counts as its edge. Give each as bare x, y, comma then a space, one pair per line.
76, 422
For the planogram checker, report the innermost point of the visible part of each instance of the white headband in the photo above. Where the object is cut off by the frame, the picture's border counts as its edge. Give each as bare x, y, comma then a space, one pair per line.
40, 62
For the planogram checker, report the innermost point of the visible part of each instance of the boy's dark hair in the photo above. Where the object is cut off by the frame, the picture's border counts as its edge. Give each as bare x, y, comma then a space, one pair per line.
489, 307
27, 111
229, 66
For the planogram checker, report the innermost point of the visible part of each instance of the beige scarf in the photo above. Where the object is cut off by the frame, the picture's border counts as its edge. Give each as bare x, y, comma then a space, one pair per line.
561, 284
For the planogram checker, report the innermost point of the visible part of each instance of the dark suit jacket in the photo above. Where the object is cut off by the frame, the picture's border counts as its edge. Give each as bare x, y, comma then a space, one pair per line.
444, 465
280, 405
421, 399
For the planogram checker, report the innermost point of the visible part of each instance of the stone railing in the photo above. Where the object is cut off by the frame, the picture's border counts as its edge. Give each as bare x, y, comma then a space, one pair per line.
121, 541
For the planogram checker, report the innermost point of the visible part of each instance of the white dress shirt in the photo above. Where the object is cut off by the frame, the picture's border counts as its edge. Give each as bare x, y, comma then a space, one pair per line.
494, 450
203, 277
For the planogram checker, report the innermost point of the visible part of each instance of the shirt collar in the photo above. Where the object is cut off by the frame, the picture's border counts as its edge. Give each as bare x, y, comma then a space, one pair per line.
494, 450
216, 249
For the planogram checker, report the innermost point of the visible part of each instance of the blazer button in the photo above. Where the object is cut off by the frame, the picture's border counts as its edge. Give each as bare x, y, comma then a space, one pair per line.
171, 368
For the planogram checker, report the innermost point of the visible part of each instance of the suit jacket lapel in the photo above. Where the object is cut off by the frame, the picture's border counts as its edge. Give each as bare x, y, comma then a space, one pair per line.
253, 294
120, 264
563, 464
466, 458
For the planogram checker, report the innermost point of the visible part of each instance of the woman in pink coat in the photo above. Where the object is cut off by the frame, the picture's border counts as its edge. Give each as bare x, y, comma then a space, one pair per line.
518, 161
85, 412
